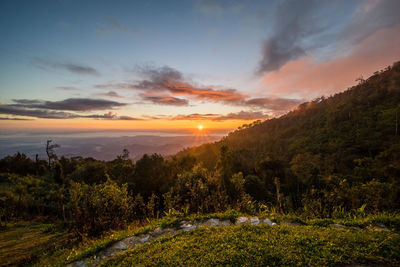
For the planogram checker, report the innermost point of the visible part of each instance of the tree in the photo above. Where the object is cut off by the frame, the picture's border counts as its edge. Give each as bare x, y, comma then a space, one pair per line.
50, 151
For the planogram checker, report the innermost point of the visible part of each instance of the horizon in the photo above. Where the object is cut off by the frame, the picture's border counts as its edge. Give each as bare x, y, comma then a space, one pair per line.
154, 66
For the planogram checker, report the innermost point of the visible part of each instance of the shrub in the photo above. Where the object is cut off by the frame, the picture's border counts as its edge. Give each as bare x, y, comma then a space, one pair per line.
95, 208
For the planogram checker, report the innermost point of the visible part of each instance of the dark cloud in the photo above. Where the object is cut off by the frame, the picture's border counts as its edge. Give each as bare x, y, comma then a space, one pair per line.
293, 23
241, 115
37, 113
50, 114
308, 26
27, 101
71, 67
72, 104
166, 100
14, 119
275, 104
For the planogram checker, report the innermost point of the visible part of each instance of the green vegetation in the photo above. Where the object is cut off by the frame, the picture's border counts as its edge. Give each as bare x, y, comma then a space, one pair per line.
264, 245
332, 160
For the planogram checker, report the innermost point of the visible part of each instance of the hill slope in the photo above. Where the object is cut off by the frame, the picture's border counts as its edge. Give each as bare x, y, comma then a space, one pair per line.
352, 136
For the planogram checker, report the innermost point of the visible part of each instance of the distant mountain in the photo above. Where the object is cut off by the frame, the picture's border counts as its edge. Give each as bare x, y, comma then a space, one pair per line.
103, 148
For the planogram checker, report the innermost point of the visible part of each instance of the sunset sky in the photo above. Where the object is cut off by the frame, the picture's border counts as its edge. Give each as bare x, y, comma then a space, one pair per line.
179, 64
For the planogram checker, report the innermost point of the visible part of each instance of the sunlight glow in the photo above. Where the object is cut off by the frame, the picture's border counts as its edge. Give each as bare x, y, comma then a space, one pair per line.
200, 127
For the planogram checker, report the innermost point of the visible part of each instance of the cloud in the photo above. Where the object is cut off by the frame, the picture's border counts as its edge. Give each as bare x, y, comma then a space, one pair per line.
241, 115
275, 104
14, 119
71, 67
111, 116
166, 100
110, 94
166, 79
43, 114
161, 81
71, 104
67, 88
110, 24
371, 16
50, 114
314, 28
310, 78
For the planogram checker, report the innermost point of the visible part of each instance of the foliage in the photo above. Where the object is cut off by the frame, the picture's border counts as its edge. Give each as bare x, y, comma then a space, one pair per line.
95, 208
266, 246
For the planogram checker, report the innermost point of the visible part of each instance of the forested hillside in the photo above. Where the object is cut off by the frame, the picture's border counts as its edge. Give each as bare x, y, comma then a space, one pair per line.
341, 151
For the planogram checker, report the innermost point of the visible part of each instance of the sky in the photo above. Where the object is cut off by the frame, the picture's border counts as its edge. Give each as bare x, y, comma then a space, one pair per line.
68, 64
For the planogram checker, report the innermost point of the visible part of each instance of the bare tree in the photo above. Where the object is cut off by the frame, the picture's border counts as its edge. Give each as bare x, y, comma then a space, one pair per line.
50, 151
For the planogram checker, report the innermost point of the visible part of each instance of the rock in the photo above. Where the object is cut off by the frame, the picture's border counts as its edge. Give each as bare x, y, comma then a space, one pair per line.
242, 220
267, 221
213, 222
381, 225
337, 225
144, 239
130, 240
157, 232
273, 224
188, 227
169, 230
226, 223
356, 228
254, 221
81, 263
120, 245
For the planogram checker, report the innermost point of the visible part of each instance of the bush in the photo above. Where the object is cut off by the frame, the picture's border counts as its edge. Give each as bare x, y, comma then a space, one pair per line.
96, 208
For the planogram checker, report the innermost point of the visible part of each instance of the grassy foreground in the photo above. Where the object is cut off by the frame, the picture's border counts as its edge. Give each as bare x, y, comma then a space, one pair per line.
265, 245
24, 243
318, 242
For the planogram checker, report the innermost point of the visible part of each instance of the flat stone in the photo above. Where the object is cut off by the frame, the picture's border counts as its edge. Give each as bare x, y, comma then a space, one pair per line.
337, 225
144, 239
157, 232
226, 222
188, 227
213, 222
242, 220
169, 230
254, 221
120, 245
130, 240
267, 221
273, 224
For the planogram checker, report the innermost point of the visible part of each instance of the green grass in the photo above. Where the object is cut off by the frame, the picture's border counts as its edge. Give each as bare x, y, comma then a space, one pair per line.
25, 243
92, 246
48, 245
264, 245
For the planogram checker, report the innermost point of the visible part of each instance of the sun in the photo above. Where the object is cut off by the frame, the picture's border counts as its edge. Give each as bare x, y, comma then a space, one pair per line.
200, 127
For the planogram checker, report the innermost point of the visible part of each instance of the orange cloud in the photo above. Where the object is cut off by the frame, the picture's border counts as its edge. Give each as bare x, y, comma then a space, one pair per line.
309, 78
